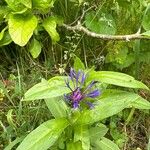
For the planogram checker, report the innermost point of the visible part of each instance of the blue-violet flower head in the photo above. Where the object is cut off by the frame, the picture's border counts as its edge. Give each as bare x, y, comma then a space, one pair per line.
78, 93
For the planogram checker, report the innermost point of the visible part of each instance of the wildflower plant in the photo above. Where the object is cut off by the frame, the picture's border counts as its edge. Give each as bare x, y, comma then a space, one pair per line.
78, 107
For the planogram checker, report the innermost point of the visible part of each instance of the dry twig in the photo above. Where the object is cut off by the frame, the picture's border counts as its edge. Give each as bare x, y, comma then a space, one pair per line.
129, 37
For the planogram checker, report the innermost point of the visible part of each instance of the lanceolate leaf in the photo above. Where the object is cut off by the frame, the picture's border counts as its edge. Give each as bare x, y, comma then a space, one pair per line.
106, 144
141, 103
57, 107
110, 103
21, 27
147, 33
116, 78
50, 26
81, 133
97, 132
55, 87
44, 136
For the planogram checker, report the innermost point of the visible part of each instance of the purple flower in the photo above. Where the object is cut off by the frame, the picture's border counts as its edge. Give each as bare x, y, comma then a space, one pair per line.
79, 93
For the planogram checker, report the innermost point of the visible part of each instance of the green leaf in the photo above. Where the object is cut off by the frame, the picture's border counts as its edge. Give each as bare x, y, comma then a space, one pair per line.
106, 144
22, 11
43, 5
13, 143
145, 57
6, 39
120, 57
55, 87
35, 48
59, 20
116, 78
50, 26
2, 33
147, 33
21, 27
78, 64
44, 136
57, 107
141, 103
146, 21
81, 133
110, 103
10, 118
100, 23
4, 10
15, 5
97, 132
61, 142
27, 3
74, 146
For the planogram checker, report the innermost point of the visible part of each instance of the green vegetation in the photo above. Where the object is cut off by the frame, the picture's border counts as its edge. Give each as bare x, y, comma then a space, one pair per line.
108, 40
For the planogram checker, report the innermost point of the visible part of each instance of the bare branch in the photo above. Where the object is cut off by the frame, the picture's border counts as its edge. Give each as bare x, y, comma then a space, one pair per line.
129, 37
85, 11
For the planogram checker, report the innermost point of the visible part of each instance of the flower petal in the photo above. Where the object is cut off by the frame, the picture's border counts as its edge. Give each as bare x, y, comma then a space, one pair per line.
93, 94
83, 78
75, 105
72, 73
78, 77
90, 85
